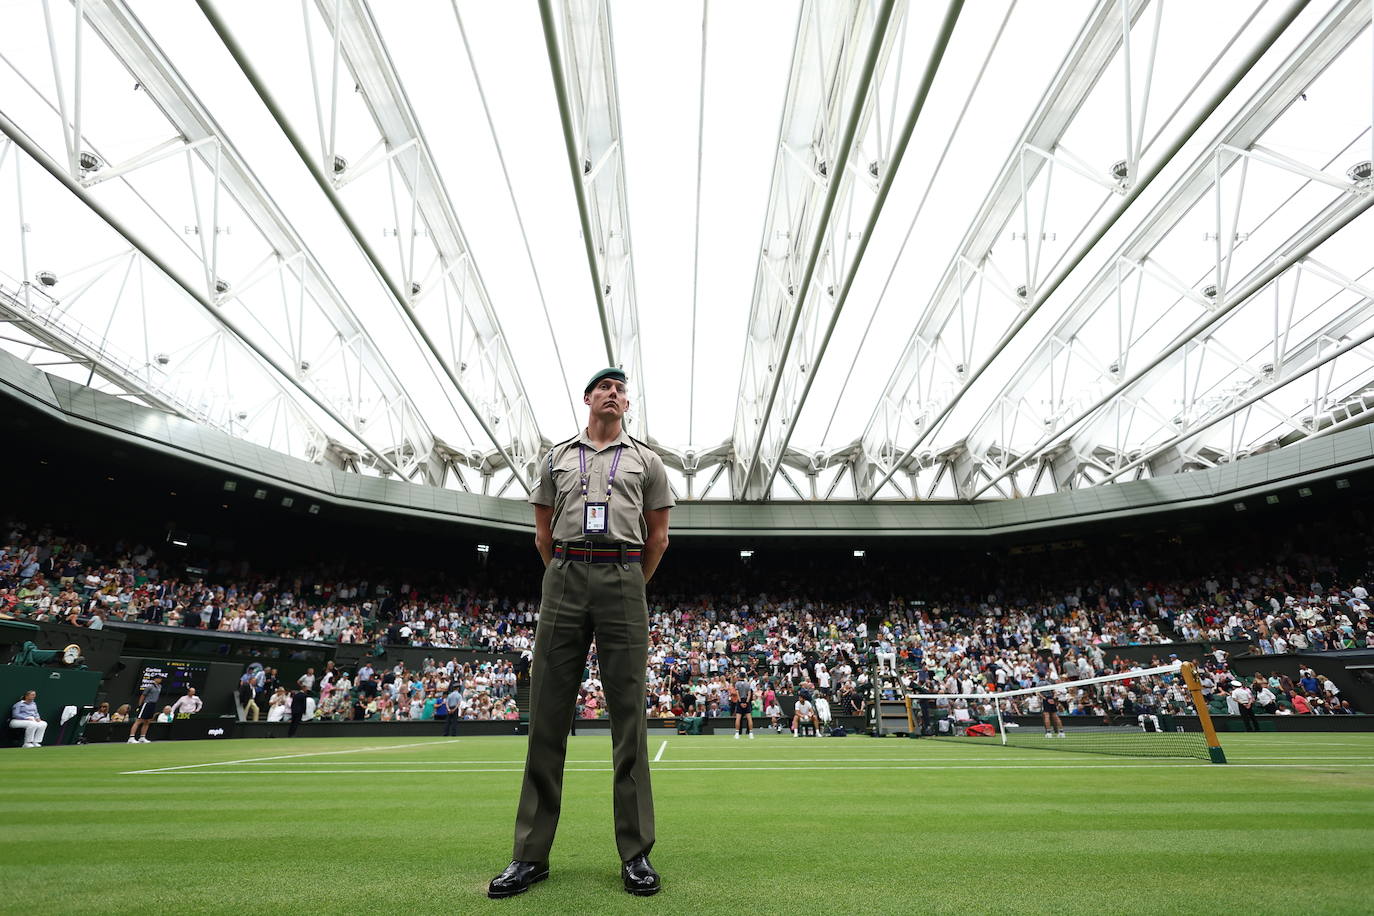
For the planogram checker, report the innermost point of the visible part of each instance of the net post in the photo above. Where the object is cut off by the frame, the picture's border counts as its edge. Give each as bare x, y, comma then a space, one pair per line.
1204, 718
1001, 725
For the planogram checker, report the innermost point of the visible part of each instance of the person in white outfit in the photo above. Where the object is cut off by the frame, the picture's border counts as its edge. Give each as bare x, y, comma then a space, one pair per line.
24, 714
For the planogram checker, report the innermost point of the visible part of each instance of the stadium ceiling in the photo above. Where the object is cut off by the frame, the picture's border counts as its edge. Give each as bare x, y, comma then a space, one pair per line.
882, 250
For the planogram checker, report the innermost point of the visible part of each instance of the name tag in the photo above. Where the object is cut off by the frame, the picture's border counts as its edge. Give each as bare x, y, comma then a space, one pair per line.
594, 518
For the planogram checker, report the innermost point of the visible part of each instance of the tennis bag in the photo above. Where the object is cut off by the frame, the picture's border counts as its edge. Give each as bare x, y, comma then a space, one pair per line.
839, 731
982, 730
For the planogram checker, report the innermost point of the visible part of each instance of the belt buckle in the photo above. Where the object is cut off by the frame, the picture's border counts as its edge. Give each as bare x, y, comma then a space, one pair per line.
587, 551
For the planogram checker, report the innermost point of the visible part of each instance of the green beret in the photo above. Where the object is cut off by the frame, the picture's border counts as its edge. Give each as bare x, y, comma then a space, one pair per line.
610, 372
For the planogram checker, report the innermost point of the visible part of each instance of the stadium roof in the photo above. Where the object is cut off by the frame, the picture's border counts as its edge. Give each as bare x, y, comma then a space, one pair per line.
880, 250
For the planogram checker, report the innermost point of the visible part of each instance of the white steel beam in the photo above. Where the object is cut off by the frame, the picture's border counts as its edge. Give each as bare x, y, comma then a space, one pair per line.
284, 376
938, 363
938, 367
434, 253
367, 380
584, 80
839, 49
1118, 285
800, 370
518, 453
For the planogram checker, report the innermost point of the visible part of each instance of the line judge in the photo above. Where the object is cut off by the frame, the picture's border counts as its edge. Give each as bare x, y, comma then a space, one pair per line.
601, 526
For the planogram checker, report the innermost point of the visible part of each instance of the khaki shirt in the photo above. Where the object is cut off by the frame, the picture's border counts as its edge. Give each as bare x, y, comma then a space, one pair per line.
640, 484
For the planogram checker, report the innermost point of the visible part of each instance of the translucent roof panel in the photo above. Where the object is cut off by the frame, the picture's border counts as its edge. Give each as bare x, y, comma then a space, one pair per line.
1121, 239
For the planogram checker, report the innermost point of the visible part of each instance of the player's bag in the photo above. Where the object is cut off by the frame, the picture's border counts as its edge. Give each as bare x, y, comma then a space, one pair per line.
839, 731
981, 730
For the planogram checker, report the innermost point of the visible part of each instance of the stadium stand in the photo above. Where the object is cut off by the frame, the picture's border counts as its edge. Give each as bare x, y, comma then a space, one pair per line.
793, 629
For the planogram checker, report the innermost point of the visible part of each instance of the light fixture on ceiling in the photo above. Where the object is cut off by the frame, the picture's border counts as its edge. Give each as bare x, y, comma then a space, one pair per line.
90, 162
340, 165
1360, 172
162, 359
46, 278
287, 502
1121, 171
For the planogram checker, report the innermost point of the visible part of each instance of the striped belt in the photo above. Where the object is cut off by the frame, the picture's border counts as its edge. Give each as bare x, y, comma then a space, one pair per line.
593, 552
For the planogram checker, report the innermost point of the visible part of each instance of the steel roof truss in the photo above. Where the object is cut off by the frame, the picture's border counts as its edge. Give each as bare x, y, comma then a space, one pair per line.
431, 249
832, 132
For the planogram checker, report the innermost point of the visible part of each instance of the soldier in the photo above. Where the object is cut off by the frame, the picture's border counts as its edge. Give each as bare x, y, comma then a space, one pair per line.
601, 526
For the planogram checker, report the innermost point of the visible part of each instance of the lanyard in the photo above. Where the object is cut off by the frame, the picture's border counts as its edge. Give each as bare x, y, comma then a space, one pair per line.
582, 467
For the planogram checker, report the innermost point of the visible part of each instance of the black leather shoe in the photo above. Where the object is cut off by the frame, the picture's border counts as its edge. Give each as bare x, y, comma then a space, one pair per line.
517, 878
640, 877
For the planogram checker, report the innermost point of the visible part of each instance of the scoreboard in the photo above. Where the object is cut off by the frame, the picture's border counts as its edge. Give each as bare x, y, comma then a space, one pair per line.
176, 677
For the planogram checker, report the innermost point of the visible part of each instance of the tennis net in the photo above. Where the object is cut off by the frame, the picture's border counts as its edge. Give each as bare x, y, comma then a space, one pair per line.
1129, 714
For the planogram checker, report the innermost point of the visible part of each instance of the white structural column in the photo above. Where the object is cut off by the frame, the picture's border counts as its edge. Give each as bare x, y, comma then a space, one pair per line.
1115, 399
804, 253
582, 58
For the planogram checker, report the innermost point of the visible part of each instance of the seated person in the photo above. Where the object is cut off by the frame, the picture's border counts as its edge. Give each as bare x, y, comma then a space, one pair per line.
804, 714
100, 714
121, 714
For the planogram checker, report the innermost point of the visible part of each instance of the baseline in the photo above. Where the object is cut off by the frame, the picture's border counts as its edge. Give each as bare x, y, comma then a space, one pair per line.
748, 769
222, 763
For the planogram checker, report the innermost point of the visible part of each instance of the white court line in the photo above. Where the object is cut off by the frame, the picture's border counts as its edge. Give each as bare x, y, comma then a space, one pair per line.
661, 748
682, 769
658, 759
223, 763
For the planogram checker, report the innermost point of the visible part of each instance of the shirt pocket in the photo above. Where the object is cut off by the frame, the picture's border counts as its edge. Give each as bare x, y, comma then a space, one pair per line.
566, 481
630, 482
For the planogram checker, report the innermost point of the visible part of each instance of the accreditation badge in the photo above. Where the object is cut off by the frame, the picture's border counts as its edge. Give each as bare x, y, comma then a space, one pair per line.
594, 518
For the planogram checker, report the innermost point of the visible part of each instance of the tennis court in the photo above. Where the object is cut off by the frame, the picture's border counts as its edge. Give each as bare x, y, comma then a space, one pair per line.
774, 825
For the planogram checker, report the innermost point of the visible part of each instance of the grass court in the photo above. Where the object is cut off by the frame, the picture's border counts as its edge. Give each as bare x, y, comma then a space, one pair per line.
774, 825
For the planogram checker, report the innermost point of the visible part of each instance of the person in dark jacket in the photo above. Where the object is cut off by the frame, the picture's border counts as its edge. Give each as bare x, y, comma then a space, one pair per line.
298, 699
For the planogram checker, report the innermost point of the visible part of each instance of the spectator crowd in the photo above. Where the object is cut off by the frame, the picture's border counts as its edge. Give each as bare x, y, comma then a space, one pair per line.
791, 631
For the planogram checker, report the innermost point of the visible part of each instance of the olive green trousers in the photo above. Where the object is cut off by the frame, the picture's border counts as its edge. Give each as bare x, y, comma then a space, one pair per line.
582, 600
